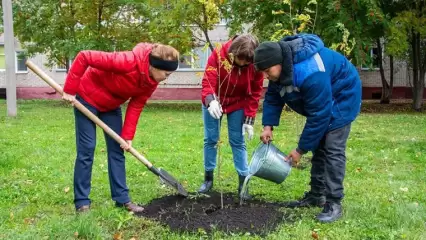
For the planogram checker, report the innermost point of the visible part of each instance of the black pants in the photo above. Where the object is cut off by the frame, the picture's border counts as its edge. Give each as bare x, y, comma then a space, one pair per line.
329, 164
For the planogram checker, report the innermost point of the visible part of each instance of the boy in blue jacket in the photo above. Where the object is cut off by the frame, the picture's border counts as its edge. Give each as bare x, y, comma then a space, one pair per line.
324, 86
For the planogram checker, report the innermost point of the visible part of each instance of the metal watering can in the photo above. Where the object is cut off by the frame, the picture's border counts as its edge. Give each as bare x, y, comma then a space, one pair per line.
268, 163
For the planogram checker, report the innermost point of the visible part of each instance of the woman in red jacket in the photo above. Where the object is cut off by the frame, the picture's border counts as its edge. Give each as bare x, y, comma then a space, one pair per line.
102, 81
232, 86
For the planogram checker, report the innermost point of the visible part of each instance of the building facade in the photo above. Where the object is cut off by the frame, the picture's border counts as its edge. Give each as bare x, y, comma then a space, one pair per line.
185, 83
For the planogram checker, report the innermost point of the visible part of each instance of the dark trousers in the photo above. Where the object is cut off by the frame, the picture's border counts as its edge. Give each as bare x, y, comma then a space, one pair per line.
329, 165
85, 131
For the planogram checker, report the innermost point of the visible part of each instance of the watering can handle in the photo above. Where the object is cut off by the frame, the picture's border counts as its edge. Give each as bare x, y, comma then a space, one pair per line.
290, 161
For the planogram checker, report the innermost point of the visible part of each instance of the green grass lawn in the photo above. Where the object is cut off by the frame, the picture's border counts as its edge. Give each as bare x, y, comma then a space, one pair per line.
384, 186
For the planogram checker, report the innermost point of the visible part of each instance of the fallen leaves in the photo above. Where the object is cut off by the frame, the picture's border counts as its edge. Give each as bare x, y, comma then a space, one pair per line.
66, 189
29, 221
118, 236
315, 235
404, 189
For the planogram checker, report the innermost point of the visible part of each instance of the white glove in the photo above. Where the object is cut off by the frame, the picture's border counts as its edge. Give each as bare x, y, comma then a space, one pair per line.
249, 129
215, 109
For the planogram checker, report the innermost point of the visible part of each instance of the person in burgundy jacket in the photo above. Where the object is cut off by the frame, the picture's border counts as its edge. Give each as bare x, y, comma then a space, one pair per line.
230, 86
102, 81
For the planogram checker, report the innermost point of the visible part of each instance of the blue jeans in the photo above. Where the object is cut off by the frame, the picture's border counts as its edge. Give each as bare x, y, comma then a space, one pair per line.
236, 140
85, 131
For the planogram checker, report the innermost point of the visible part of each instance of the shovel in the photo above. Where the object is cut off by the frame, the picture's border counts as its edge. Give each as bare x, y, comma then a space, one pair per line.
163, 174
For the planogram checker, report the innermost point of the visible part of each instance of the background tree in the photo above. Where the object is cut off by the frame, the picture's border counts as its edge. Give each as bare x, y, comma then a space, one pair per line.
193, 19
1, 19
74, 25
407, 41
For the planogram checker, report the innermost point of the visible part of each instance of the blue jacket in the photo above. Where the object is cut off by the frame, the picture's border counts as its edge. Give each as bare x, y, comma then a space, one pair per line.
324, 86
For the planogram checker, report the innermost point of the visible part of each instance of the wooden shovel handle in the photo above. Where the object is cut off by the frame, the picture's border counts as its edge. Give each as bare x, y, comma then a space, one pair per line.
86, 112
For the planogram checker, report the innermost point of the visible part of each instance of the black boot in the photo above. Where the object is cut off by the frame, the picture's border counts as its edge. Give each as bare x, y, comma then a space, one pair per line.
208, 182
331, 212
309, 200
246, 196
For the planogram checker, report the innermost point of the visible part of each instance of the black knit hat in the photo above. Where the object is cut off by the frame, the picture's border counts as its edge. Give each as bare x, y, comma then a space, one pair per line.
266, 55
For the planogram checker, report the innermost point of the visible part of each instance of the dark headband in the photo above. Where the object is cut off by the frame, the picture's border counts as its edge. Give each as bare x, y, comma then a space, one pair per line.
166, 65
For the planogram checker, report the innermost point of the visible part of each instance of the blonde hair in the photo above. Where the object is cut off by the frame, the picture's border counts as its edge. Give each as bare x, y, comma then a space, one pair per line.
165, 52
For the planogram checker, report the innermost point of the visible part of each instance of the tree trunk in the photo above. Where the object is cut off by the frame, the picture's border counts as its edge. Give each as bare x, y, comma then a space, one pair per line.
418, 83
205, 31
418, 97
100, 8
385, 98
67, 64
208, 40
391, 62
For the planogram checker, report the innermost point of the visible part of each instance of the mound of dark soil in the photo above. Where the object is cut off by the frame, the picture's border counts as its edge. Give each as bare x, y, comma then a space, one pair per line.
204, 212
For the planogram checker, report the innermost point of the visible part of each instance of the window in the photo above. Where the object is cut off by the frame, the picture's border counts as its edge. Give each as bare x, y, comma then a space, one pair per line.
196, 60
20, 62
2, 59
372, 61
19, 58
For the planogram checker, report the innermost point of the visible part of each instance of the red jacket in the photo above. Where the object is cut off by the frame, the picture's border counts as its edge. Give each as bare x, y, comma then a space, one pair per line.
239, 88
108, 79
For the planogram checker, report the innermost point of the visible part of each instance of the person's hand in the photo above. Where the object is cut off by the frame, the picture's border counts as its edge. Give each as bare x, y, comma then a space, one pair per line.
249, 129
215, 109
266, 135
294, 157
69, 98
127, 146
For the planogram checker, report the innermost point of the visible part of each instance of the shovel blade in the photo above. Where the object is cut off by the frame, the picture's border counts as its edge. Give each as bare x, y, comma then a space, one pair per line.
172, 182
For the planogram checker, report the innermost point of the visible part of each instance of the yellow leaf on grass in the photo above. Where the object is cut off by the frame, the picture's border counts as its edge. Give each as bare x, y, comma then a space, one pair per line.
314, 235
76, 234
67, 189
118, 236
28, 221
